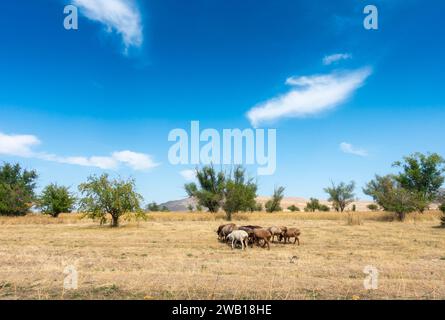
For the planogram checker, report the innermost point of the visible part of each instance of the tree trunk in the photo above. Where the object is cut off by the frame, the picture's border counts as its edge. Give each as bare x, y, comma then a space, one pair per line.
114, 221
402, 216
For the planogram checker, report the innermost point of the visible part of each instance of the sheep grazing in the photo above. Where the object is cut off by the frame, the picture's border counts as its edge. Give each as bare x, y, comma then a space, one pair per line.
275, 231
238, 236
262, 234
291, 233
226, 230
249, 232
253, 227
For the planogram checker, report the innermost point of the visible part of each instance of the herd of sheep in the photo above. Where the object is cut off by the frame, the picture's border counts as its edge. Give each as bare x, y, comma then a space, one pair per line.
246, 235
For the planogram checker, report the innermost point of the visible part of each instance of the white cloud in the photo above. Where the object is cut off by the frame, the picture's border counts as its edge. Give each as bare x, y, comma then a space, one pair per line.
349, 148
17, 145
311, 95
137, 161
188, 175
121, 16
327, 60
22, 146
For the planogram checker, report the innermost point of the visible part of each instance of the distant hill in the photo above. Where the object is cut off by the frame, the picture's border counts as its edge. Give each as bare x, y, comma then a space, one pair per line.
182, 204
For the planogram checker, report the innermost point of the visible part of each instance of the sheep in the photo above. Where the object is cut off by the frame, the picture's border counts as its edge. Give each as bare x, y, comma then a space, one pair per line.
249, 232
291, 233
275, 231
262, 234
238, 236
226, 230
253, 227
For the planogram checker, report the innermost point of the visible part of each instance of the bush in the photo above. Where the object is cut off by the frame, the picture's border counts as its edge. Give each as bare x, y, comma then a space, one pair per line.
354, 207
373, 207
55, 200
16, 190
293, 208
324, 208
153, 207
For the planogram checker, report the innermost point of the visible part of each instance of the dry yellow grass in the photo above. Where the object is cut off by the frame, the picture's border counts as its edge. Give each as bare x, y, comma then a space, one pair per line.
177, 256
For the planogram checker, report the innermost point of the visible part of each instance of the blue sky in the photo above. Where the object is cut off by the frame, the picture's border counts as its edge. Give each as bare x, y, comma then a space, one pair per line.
103, 98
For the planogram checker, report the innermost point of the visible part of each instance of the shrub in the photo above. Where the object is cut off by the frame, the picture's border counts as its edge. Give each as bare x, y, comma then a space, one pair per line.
16, 189
103, 196
354, 207
373, 207
153, 207
324, 208
190, 208
56, 199
293, 208
273, 205
198, 208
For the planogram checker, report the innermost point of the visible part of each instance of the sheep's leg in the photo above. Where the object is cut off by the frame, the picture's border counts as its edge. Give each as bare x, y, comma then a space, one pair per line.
268, 246
232, 243
242, 244
297, 239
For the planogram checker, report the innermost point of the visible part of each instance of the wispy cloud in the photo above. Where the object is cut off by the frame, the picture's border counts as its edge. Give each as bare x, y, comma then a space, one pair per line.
23, 146
349, 148
120, 16
188, 175
310, 95
327, 60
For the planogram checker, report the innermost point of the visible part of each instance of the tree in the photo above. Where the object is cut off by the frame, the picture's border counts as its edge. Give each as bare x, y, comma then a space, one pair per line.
324, 208
210, 193
198, 208
116, 197
239, 193
422, 175
273, 204
258, 207
56, 199
293, 208
313, 205
341, 195
379, 189
16, 189
190, 208
391, 196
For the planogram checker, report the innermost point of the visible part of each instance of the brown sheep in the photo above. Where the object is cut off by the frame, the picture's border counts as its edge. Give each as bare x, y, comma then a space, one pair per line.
291, 233
262, 234
226, 230
276, 231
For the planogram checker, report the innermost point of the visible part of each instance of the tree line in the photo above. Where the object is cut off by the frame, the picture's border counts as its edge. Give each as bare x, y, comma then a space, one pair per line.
103, 198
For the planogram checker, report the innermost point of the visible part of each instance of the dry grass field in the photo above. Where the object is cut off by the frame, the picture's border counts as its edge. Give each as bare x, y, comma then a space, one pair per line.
177, 256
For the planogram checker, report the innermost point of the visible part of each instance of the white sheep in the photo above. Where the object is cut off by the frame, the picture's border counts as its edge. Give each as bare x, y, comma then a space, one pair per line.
239, 236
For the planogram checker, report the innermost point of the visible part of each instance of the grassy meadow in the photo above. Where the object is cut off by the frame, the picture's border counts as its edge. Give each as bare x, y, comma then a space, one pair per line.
178, 256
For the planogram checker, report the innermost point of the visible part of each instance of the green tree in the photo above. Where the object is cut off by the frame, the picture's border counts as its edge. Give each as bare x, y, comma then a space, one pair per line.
258, 207
239, 193
379, 189
55, 200
293, 208
422, 175
198, 208
401, 202
273, 205
341, 195
103, 196
210, 193
17, 187
190, 208
313, 205
153, 207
